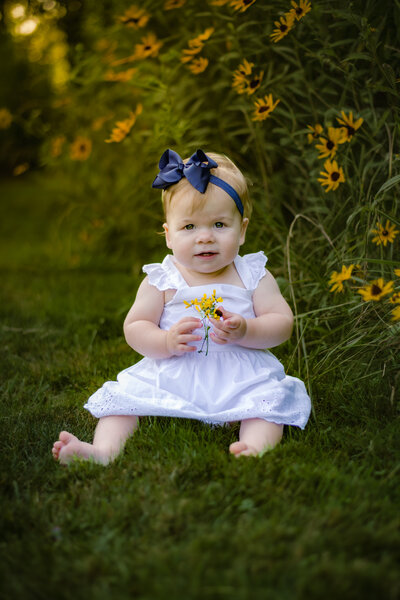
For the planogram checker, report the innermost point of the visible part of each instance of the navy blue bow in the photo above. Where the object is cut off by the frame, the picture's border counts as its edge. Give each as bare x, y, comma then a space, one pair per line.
197, 172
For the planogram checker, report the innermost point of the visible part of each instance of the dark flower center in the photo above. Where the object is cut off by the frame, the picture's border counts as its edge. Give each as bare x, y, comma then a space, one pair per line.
132, 20
262, 109
330, 145
385, 232
335, 176
147, 47
375, 290
350, 130
283, 28
82, 147
254, 83
299, 11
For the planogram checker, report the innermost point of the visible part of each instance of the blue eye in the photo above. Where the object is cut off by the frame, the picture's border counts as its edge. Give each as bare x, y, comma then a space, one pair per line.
219, 225
189, 226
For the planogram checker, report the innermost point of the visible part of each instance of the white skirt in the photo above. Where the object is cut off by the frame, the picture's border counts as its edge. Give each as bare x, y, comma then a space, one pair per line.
221, 387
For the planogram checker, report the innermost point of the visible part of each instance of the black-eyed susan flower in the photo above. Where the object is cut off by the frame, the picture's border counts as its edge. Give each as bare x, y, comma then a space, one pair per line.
122, 128
202, 37
149, 47
5, 118
385, 234
81, 148
198, 65
241, 5
349, 125
396, 313
241, 76
336, 280
314, 132
253, 83
172, 4
376, 290
244, 80
282, 27
395, 298
328, 145
301, 9
189, 53
196, 45
208, 308
332, 176
134, 17
397, 272
264, 107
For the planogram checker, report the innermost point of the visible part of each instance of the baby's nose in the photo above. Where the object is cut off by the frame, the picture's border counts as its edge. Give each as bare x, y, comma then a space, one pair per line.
205, 234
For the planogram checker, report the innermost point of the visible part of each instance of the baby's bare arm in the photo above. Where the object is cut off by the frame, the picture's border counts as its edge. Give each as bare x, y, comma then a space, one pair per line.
142, 331
272, 325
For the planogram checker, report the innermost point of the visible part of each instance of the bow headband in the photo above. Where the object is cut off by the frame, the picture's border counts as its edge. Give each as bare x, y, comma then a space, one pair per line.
197, 172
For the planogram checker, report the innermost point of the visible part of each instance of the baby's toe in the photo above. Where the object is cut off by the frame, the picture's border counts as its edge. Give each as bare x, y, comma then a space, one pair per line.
65, 437
237, 448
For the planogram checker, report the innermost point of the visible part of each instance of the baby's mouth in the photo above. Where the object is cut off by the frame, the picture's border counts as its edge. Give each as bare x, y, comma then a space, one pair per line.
206, 254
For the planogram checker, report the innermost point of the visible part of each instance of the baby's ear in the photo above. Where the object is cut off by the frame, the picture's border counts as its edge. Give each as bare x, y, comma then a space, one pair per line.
244, 225
167, 240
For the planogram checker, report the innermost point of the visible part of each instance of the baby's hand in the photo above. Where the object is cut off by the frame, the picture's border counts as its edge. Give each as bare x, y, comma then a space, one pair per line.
231, 328
180, 334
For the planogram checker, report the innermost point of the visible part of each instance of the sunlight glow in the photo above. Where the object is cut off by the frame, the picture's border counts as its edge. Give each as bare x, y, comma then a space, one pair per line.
18, 11
27, 27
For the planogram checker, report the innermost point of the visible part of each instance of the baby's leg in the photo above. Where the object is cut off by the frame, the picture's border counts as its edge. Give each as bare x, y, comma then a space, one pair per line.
256, 435
109, 439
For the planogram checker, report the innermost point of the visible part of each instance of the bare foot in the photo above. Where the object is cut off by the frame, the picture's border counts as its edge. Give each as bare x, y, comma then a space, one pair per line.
69, 447
242, 449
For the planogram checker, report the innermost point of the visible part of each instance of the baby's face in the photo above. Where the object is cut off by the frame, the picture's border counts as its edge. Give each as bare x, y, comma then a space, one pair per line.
204, 239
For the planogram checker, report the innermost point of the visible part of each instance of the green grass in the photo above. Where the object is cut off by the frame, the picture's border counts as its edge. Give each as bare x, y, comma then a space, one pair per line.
175, 516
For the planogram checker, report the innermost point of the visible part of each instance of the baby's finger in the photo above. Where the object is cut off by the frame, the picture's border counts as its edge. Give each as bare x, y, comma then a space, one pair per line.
189, 326
188, 320
186, 338
218, 340
185, 348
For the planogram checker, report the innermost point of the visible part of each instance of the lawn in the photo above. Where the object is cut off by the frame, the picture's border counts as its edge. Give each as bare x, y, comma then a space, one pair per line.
175, 516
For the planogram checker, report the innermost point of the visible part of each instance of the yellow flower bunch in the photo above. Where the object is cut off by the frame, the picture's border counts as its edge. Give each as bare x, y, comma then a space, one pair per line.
336, 280
238, 5
371, 291
207, 307
286, 23
122, 128
244, 80
134, 17
328, 144
199, 64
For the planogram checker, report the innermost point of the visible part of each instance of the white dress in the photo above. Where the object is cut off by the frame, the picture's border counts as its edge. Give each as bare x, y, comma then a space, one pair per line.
230, 383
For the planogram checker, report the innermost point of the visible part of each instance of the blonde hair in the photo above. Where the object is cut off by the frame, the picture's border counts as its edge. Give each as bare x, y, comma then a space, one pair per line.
226, 170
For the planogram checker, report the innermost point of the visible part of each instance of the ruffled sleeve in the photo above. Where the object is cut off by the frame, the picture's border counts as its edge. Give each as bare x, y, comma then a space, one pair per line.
251, 268
164, 276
